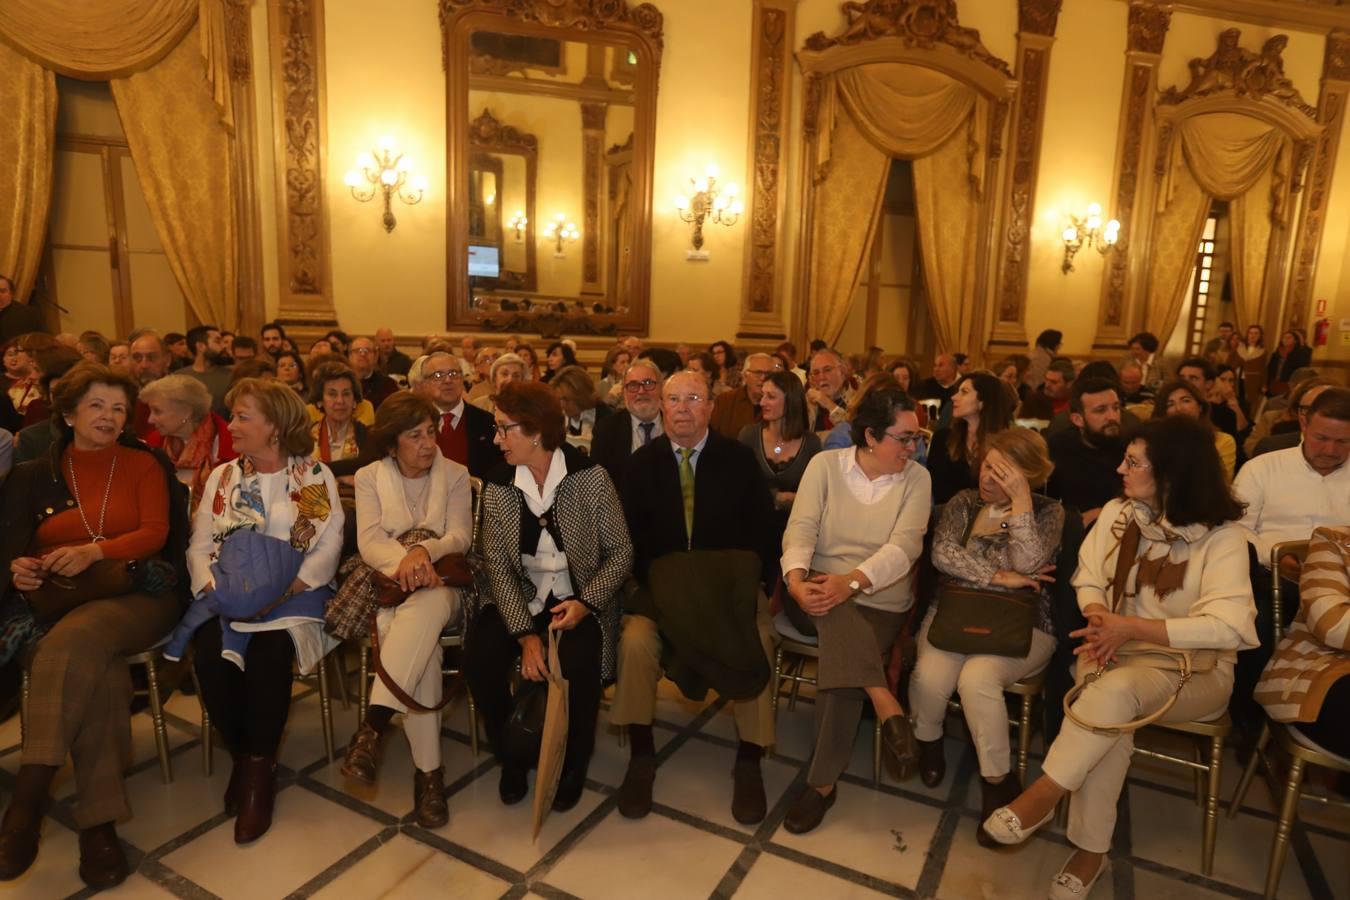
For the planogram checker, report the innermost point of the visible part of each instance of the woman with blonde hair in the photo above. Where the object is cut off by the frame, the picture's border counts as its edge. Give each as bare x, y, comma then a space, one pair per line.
278, 489
999, 536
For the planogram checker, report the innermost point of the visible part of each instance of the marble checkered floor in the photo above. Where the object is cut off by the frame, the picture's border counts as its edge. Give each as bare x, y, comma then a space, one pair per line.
335, 839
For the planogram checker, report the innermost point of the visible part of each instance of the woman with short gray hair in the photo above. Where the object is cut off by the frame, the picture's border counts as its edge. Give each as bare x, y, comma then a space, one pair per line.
195, 439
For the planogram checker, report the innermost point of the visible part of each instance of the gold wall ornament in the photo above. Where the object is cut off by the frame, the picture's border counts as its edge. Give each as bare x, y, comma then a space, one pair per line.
386, 173
1232, 68
923, 24
1088, 230
1038, 16
583, 15
708, 204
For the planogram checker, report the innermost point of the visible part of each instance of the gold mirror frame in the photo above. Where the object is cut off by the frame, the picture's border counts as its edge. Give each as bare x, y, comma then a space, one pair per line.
489, 135
638, 28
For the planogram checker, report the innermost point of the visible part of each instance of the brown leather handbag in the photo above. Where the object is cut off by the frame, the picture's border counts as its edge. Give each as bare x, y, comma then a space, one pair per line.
452, 570
987, 622
59, 594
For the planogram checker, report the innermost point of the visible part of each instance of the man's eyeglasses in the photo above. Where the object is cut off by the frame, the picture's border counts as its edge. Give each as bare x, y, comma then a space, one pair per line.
907, 439
363, 351
690, 399
644, 386
446, 375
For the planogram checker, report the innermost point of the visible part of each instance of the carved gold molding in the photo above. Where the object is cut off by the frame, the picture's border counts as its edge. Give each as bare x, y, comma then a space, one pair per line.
921, 24
773, 23
1308, 15
1147, 31
582, 15
300, 126
1331, 115
593, 117
251, 311
1037, 20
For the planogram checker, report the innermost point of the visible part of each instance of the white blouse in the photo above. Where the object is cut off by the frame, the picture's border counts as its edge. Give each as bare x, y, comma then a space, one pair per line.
547, 567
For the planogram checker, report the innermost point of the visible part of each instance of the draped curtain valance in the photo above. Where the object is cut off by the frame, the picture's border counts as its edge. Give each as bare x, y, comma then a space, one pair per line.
868, 115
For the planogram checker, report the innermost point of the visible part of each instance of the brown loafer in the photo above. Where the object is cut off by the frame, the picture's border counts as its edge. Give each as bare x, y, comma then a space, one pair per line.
257, 795
363, 755
635, 794
932, 763
429, 798
18, 850
901, 753
748, 804
103, 865
808, 810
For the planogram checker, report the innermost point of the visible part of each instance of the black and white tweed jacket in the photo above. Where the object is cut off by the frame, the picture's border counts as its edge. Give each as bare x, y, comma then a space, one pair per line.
594, 536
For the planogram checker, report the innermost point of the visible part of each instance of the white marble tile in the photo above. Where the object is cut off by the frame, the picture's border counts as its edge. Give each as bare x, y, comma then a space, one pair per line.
162, 812
480, 822
302, 743
137, 887
405, 869
860, 832
697, 780
1005, 874
772, 878
653, 858
308, 834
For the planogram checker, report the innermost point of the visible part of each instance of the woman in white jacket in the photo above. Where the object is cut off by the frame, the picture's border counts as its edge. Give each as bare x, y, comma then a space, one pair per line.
414, 493
1187, 588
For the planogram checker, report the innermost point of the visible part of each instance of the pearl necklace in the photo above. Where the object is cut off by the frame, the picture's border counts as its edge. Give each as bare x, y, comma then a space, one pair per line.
107, 492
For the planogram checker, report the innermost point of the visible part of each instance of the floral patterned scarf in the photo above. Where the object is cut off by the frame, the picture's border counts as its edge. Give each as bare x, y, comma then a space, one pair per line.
238, 504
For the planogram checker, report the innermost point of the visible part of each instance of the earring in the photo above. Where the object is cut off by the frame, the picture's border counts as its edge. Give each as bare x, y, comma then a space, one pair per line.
534, 443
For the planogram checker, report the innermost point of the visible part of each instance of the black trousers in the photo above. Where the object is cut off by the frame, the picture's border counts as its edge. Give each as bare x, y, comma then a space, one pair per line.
1246, 712
490, 654
1332, 728
248, 708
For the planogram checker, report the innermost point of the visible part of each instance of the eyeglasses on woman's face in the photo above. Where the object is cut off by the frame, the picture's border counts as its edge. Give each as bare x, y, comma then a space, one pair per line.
910, 439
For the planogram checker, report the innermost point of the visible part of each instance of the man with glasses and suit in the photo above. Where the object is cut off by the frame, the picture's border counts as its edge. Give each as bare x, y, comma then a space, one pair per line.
616, 438
464, 432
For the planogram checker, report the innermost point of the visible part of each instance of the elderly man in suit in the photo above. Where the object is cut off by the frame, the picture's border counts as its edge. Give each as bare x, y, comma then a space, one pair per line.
616, 438
464, 432
690, 489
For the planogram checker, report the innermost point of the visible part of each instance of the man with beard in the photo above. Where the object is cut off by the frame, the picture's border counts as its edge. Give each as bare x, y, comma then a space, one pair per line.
1086, 456
149, 361
210, 364
273, 338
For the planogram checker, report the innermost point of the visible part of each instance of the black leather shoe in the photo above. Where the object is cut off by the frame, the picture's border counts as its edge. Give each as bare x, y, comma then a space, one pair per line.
514, 784
635, 794
103, 865
570, 786
748, 804
932, 763
808, 810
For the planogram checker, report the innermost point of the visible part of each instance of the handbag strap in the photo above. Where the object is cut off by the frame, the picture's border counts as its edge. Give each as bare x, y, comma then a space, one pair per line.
1183, 659
399, 693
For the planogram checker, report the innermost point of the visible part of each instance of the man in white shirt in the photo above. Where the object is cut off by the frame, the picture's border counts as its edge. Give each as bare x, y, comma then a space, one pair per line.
1289, 493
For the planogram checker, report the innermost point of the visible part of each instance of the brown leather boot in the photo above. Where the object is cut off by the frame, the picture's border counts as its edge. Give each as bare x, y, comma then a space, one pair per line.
899, 747
103, 865
363, 755
429, 798
257, 794
232, 789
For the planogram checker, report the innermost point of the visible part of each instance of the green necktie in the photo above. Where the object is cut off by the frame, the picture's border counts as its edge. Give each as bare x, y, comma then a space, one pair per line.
687, 491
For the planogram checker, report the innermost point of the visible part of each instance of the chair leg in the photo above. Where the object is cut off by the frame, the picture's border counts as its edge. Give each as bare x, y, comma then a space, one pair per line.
157, 717
1212, 805
798, 677
774, 688
1024, 739
1245, 783
340, 657
24, 685
326, 709
207, 744
876, 754
363, 687
473, 725
1197, 775
1288, 811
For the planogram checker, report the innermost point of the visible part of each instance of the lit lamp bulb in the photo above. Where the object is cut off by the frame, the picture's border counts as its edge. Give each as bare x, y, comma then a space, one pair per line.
1070, 234
701, 186
732, 190
420, 183
712, 171
1112, 232
389, 176
365, 161
720, 203
737, 207
681, 203
352, 178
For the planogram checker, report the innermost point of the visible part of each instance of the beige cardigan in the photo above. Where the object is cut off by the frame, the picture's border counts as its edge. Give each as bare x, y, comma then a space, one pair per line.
1315, 652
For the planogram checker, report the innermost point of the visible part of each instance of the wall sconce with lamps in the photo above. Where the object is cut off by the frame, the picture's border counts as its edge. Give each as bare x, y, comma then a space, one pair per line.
723, 207
1088, 231
561, 231
389, 173
518, 222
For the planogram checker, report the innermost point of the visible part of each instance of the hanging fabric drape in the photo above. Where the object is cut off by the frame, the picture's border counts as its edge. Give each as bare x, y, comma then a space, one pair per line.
1225, 156
868, 115
186, 173
28, 98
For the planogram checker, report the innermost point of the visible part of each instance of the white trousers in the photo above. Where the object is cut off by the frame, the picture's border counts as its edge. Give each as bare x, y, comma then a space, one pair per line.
1093, 766
980, 680
410, 652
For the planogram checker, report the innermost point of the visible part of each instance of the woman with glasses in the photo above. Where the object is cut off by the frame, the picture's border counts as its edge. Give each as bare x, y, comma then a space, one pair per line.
849, 552
557, 552
1186, 585
999, 536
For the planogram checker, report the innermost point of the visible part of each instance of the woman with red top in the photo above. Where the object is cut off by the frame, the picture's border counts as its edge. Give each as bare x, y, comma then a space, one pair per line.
97, 495
195, 439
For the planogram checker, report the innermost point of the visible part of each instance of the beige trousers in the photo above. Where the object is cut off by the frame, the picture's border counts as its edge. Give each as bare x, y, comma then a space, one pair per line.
980, 680
410, 651
640, 670
1093, 766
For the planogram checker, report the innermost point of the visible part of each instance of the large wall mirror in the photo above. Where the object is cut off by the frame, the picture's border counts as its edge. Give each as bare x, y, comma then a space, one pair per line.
550, 174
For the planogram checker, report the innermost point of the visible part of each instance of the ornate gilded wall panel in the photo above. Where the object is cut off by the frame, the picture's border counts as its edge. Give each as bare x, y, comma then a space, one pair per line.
770, 82
297, 48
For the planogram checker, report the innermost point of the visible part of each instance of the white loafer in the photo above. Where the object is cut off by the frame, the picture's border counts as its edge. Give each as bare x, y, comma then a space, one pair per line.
1070, 887
1004, 826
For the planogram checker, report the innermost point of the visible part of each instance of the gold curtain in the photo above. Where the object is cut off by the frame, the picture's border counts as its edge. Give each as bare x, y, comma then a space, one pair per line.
868, 115
1230, 157
28, 97
182, 156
